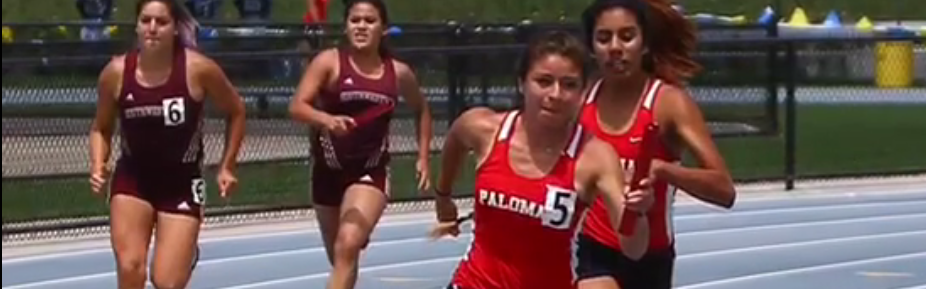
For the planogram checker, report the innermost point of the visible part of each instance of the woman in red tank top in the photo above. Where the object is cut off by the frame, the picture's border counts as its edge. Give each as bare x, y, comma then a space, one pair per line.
348, 95
537, 171
644, 52
157, 93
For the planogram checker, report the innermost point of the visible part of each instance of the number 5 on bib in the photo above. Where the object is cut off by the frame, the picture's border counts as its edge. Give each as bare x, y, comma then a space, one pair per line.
174, 111
559, 208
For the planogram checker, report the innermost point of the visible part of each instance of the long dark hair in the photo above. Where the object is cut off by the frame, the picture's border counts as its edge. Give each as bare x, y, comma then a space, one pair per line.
380, 6
670, 37
183, 20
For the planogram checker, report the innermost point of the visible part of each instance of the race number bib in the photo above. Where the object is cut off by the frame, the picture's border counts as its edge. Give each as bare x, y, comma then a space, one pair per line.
174, 111
559, 208
199, 191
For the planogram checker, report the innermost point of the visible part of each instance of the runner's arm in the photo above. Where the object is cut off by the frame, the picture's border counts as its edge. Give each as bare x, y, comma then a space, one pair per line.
320, 70
472, 131
104, 122
411, 92
600, 171
711, 182
226, 97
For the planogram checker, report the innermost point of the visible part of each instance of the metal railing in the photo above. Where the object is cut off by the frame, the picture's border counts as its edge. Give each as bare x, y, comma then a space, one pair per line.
782, 109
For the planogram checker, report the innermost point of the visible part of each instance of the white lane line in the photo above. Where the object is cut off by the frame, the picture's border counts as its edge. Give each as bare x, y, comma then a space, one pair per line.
783, 273
923, 286
706, 254
213, 262
684, 217
800, 244
414, 240
202, 241
383, 224
798, 209
801, 225
421, 262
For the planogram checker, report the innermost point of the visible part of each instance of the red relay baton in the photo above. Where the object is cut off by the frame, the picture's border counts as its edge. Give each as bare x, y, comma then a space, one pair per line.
641, 171
374, 113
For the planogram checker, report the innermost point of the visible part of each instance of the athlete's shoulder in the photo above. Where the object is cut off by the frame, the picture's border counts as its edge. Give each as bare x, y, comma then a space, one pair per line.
199, 62
326, 58
482, 115
674, 101
115, 66
329, 54
479, 121
672, 91
403, 71
401, 66
112, 74
202, 68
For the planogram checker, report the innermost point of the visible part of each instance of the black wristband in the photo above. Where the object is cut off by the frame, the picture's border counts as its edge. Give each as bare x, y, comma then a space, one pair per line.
463, 219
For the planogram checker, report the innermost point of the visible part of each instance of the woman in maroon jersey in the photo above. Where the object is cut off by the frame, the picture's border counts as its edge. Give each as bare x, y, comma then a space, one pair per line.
537, 170
644, 52
157, 92
348, 95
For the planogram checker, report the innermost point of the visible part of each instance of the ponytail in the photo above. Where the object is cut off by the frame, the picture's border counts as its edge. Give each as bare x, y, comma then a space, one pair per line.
672, 43
384, 50
187, 28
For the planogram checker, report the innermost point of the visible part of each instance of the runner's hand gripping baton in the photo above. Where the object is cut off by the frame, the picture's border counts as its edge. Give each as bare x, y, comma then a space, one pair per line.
641, 171
374, 113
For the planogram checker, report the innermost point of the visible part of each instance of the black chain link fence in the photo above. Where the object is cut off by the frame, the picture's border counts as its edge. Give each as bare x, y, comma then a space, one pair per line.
759, 96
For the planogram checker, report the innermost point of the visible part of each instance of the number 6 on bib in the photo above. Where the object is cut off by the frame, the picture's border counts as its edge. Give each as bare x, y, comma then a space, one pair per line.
559, 208
199, 191
174, 111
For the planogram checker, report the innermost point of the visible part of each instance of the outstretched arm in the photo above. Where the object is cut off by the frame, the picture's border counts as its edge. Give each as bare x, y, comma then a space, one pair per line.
600, 173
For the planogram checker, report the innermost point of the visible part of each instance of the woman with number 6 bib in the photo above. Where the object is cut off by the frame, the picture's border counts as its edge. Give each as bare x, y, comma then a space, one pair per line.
537, 172
157, 92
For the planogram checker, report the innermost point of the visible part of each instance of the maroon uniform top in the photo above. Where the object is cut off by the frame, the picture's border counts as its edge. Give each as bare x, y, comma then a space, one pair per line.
371, 102
160, 126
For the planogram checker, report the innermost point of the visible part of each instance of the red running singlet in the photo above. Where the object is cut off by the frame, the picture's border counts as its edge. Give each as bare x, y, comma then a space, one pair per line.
358, 96
627, 144
524, 228
161, 140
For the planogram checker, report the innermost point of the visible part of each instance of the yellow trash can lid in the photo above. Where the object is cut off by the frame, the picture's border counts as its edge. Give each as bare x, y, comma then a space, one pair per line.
7, 34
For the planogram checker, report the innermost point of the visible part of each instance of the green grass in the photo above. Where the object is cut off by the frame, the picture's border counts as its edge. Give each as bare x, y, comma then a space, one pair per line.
276, 184
837, 140
831, 139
